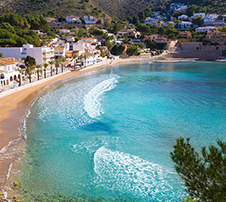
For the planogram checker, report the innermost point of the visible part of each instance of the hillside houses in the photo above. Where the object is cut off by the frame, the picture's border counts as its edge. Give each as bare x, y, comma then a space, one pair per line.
129, 33
205, 29
59, 52
156, 38
182, 17
215, 36
73, 19
184, 25
186, 34
178, 7
89, 20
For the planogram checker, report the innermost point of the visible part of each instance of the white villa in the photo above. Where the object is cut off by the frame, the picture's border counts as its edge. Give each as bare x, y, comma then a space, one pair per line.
199, 15
59, 51
150, 20
64, 31
88, 59
184, 25
41, 54
205, 29
89, 20
73, 19
213, 15
182, 17
82, 47
9, 73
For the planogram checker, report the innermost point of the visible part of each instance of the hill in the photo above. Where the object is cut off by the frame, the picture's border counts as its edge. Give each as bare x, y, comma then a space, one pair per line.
120, 9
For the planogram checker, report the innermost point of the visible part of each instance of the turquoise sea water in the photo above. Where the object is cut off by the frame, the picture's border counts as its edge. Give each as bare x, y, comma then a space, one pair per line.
107, 136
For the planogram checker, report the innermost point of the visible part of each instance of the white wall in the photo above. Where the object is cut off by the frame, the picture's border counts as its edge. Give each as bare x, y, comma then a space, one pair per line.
22, 53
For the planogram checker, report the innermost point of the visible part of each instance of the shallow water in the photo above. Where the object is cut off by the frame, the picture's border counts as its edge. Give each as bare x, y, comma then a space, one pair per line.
108, 136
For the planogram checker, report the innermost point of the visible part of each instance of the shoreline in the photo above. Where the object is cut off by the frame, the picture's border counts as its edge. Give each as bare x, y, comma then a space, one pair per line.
13, 107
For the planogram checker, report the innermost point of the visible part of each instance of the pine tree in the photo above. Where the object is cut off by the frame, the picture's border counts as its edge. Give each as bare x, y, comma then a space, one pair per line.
205, 174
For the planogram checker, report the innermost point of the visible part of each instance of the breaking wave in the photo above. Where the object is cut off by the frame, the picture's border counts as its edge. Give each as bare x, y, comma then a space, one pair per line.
92, 100
128, 173
75, 104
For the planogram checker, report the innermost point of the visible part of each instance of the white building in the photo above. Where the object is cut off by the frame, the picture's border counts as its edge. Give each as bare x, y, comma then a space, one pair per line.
70, 38
88, 59
89, 20
207, 19
184, 25
182, 17
64, 31
205, 29
59, 51
180, 8
9, 74
73, 19
213, 16
199, 15
41, 54
150, 20
88, 40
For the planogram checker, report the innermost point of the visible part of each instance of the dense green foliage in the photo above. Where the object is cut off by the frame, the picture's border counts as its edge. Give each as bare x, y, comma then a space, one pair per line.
198, 21
96, 32
117, 50
13, 30
37, 22
117, 27
15, 20
155, 46
140, 17
132, 50
169, 31
205, 174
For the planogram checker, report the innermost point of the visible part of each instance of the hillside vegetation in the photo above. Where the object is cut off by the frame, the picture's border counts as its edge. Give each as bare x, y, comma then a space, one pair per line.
56, 8
207, 6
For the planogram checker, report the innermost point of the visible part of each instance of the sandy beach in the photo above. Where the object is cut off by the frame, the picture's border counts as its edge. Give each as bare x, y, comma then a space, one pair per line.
14, 103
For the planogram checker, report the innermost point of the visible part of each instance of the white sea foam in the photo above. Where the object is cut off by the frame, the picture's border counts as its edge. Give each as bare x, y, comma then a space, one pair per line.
93, 144
9, 170
89, 146
65, 105
92, 100
128, 173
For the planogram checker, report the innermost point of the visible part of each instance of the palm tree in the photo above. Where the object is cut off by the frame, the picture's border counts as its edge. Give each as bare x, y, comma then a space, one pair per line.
45, 66
21, 70
57, 62
51, 65
62, 65
37, 68
30, 65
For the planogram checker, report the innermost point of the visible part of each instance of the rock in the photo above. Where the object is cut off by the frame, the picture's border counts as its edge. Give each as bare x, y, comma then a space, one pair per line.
15, 183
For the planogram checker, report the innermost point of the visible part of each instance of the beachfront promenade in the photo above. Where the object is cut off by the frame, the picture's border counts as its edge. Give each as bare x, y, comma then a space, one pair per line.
6, 90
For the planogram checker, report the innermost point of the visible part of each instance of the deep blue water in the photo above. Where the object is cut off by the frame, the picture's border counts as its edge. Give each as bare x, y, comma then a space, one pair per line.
107, 136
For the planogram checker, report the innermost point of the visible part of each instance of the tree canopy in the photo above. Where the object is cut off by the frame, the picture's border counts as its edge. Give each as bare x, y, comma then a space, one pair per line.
13, 33
204, 174
117, 49
132, 50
